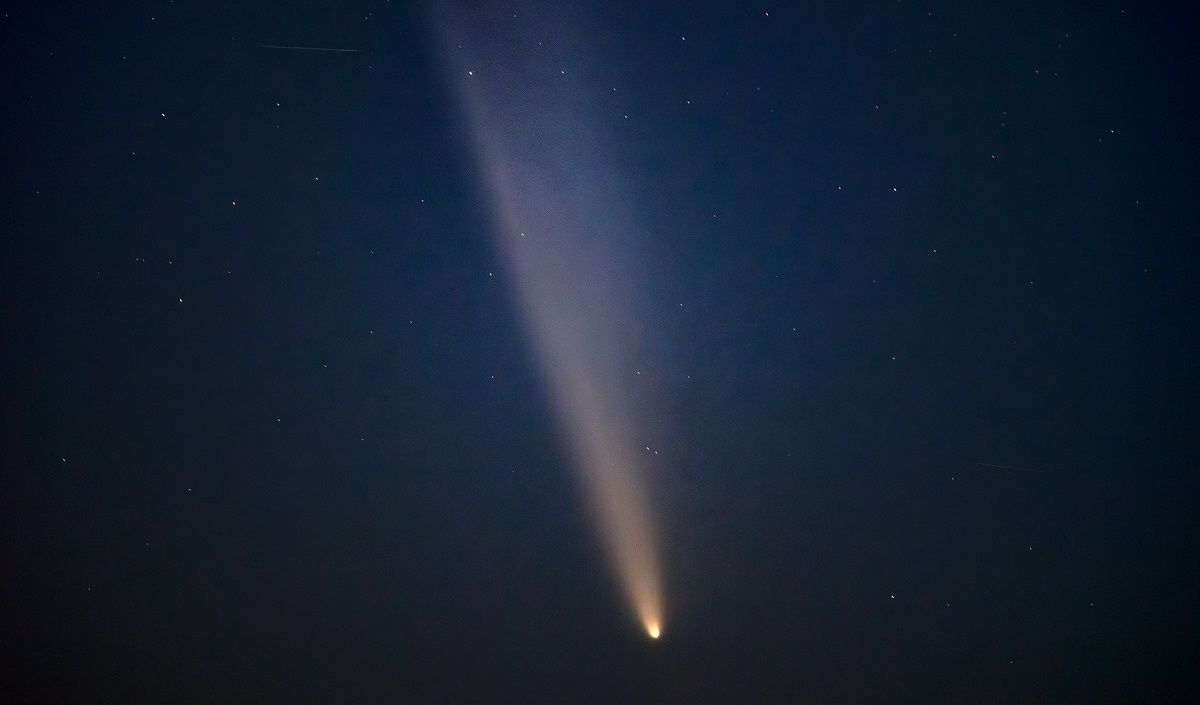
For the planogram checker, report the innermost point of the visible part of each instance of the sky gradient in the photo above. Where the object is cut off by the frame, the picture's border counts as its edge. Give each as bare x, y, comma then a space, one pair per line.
293, 413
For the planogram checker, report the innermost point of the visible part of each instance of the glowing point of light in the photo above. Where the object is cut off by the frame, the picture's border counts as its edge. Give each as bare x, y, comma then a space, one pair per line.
653, 631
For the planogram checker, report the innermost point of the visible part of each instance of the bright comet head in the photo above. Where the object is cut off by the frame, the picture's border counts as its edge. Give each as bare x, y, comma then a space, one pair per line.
653, 631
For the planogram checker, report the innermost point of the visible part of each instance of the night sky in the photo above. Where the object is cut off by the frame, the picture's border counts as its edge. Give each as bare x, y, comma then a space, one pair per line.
910, 366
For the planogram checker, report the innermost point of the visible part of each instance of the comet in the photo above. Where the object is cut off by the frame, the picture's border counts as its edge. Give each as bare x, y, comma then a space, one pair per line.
569, 239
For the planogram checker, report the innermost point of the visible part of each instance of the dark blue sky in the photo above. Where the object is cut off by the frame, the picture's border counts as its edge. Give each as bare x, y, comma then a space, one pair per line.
273, 430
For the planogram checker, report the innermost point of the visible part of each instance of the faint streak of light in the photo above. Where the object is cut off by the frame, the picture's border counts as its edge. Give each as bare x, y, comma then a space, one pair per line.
276, 46
1013, 467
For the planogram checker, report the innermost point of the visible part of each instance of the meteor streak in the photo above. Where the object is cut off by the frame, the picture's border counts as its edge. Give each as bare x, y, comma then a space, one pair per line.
276, 46
562, 225
1012, 467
